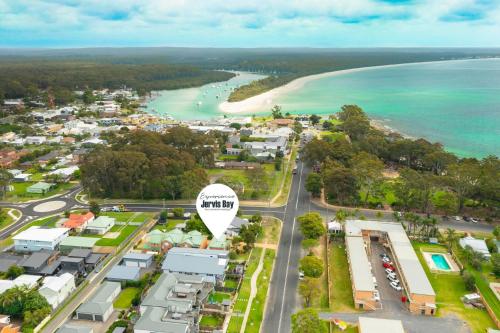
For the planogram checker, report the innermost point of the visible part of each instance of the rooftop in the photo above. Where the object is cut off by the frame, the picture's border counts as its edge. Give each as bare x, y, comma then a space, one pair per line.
196, 261
358, 259
376, 325
76, 241
121, 273
37, 233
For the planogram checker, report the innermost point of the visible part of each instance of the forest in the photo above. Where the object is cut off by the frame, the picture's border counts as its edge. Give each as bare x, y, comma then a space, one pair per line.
429, 179
19, 79
147, 165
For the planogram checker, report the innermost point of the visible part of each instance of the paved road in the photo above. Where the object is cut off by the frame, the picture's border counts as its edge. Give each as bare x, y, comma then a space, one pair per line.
282, 294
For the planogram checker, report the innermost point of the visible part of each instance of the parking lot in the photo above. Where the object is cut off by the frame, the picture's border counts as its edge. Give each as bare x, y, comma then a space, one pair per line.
390, 298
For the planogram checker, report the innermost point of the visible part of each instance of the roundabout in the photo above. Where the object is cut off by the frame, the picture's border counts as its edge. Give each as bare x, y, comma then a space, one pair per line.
49, 206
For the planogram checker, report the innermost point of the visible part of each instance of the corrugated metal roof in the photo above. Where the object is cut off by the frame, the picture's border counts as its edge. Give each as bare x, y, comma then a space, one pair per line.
361, 274
376, 325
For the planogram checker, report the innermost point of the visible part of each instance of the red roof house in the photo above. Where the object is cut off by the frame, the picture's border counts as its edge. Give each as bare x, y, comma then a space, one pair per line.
78, 222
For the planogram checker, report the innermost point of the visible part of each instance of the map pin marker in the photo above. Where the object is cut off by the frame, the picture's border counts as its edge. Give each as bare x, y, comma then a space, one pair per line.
217, 205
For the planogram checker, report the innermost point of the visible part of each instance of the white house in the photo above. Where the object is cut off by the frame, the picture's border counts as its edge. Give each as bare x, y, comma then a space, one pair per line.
35, 140
29, 281
38, 238
57, 288
478, 245
100, 225
22, 177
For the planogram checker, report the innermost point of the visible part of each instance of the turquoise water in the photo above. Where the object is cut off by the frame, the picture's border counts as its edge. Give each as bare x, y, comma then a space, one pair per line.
456, 103
440, 262
200, 102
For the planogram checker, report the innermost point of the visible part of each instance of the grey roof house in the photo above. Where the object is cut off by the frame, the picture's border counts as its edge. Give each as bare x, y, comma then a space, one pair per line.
100, 306
209, 263
133, 259
123, 273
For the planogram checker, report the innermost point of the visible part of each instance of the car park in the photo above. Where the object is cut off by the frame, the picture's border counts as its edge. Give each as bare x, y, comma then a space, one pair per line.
395, 286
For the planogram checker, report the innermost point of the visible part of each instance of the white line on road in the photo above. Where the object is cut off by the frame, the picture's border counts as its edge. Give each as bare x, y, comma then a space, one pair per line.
289, 252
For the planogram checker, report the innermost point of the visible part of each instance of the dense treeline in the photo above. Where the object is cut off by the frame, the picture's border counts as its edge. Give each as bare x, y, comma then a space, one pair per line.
146, 165
25, 79
430, 179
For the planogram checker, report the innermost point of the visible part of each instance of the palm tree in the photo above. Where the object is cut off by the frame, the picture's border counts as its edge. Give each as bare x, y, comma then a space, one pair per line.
341, 216
451, 236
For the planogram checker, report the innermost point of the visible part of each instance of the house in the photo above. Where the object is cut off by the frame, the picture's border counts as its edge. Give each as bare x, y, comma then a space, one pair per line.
39, 188
73, 265
173, 304
284, 122
7, 260
206, 263
143, 260
235, 226
124, 273
64, 174
100, 306
38, 238
9, 328
37, 261
57, 288
218, 243
26, 280
75, 242
157, 240
100, 225
334, 227
477, 245
78, 222
22, 177
45, 159
35, 140
68, 328
68, 140
91, 259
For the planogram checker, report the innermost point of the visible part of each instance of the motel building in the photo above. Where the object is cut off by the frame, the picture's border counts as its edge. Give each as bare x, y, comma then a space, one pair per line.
417, 290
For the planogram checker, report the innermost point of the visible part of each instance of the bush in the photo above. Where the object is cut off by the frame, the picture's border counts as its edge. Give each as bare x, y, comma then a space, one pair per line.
495, 262
178, 212
469, 281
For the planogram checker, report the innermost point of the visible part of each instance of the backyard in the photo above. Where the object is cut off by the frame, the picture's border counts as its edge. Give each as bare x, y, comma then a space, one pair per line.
124, 299
340, 288
449, 288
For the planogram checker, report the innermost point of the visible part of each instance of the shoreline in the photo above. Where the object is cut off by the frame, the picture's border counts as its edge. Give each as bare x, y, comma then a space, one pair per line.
264, 102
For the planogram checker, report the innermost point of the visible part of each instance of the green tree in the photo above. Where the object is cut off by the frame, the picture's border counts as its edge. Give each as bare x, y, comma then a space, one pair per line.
14, 271
314, 119
276, 112
308, 321
178, 212
192, 182
469, 281
314, 184
464, 179
451, 237
496, 232
309, 288
5, 180
445, 201
88, 97
312, 266
495, 262
311, 225
94, 208
309, 243
297, 127
339, 183
368, 170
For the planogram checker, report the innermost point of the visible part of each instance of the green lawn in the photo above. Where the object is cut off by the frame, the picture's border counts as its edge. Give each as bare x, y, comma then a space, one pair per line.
257, 308
449, 289
341, 288
124, 300
240, 304
271, 231
5, 218
125, 232
128, 216
230, 283
211, 321
171, 223
19, 192
218, 297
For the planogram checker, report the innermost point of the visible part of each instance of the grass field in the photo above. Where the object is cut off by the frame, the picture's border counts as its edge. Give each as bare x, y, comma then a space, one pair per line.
211, 321
271, 231
19, 192
124, 299
341, 288
6, 219
128, 216
449, 289
218, 297
125, 232
171, 223
241, 302
257, 308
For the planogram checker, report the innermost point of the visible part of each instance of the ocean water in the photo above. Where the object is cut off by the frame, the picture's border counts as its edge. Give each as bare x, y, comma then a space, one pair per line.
200, 102
456, 103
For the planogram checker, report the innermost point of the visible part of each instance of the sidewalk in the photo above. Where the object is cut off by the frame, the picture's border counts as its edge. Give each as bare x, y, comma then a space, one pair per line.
253, 291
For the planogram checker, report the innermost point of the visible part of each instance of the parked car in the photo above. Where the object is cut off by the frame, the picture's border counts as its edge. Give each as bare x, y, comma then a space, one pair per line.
106, 209
388, 265
386, 259
389, 271
395, 286
457, 218
375, 282
294, 171
392, 275
187, 215
474, 220
301, 275
376, 296
392, 279
382, 255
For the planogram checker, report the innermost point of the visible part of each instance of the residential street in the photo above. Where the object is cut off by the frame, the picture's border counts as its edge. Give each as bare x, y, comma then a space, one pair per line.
282, 300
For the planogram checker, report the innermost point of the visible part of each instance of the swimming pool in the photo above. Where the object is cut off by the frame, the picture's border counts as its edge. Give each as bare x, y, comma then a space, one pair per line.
440, 262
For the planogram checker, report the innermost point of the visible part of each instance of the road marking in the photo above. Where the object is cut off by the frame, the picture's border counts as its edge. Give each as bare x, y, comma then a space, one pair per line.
289, 252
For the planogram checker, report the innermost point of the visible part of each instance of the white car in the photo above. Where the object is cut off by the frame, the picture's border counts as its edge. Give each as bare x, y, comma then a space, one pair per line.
395, 286
301, 275
386, 259
376, 296
389, 271
393, 279
457, 218
187, 215
473, 220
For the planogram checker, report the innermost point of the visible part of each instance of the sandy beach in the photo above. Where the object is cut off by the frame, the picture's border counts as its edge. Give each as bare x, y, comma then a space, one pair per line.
265, 101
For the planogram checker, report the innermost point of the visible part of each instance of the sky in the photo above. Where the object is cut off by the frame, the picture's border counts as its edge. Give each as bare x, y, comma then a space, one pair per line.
243, 23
